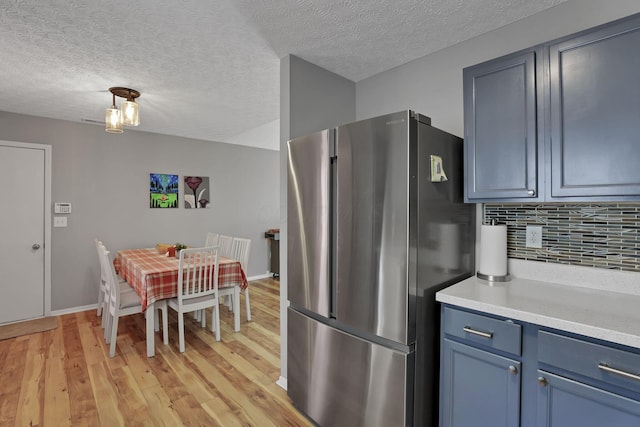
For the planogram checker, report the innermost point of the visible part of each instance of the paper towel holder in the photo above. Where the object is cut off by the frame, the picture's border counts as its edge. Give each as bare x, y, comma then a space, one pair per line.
490, 277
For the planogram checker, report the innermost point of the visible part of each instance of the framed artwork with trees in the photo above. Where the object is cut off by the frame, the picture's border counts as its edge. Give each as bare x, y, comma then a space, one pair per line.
163, 190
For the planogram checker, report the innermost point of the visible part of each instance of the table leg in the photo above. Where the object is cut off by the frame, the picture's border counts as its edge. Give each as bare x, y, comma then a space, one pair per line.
150, 314
236, 309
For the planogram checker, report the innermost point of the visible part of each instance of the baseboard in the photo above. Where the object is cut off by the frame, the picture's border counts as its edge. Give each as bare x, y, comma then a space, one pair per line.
260, 276
282, 382
74, 309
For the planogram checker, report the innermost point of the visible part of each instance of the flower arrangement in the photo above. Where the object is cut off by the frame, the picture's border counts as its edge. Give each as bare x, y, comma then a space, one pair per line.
179, 247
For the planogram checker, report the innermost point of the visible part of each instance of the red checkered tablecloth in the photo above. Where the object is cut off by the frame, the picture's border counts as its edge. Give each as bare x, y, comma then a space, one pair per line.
155, 276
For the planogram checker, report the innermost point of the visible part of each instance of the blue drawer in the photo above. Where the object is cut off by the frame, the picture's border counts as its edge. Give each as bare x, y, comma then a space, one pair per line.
610, 365
481, 330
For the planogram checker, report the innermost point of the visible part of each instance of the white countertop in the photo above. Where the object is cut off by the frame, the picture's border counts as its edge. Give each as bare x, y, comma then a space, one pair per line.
590, 310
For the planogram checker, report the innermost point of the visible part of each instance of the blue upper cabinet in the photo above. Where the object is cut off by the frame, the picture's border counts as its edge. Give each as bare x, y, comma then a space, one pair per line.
595, 112
501, 127
557, 122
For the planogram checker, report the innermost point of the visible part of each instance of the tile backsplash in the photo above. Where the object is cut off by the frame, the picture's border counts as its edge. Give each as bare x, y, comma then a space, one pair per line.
603, 235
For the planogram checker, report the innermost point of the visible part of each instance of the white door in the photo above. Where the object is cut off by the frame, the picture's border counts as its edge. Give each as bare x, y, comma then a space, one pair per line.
22, 231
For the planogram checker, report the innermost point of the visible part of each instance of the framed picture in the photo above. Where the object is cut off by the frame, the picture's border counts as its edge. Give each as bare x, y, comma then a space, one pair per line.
163, 190
196, 192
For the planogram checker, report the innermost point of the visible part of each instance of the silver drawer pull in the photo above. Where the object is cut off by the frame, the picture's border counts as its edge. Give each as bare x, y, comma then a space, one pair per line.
607, 368
470, 330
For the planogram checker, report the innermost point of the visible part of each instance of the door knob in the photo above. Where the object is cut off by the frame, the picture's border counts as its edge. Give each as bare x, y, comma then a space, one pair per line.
35, 246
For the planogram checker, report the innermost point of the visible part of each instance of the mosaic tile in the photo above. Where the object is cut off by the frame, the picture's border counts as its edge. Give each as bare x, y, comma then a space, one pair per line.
588, 234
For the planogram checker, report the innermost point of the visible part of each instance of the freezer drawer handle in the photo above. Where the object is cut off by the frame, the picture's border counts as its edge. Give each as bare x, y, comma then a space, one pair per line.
607, 368
470, 330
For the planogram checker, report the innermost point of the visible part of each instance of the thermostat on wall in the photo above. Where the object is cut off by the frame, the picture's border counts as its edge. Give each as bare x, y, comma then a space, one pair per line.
62, 208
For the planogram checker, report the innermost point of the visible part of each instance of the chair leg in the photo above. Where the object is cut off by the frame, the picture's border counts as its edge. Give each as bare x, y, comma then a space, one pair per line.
104, 310
236, 309
246, 301
100, 300
165, 323
114, 334
203, 318
215, 318
181, 331
108, 321
161, 306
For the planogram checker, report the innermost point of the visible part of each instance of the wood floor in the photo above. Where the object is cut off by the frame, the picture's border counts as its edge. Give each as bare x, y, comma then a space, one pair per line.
64, 377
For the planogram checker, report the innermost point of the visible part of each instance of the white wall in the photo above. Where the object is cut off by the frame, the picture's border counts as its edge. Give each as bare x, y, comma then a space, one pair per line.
106, 179
265, 136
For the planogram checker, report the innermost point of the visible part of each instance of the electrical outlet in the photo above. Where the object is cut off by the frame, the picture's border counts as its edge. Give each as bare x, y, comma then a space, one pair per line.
534, 236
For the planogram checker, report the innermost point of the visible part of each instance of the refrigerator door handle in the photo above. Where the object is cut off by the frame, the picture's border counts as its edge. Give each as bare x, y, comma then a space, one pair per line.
333, 183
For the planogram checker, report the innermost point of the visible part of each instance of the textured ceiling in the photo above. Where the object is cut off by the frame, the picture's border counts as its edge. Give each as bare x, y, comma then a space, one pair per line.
210, 69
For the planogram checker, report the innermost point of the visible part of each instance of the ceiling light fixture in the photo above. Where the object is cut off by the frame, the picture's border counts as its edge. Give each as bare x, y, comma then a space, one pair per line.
127, 115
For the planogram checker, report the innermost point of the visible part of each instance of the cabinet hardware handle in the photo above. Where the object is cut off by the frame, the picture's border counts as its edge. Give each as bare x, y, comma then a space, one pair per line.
531, 192
542, 381
513, 370
470, 330
607, 368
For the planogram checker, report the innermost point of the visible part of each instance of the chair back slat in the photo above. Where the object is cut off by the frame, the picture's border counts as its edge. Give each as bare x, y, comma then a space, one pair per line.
225, 243
198, 273
212, 240
240, 251
111, 283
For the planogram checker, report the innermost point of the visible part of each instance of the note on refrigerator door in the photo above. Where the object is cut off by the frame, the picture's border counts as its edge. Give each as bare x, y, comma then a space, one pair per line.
437, 169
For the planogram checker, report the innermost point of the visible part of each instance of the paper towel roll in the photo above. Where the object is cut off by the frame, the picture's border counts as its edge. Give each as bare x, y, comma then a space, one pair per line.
493, 250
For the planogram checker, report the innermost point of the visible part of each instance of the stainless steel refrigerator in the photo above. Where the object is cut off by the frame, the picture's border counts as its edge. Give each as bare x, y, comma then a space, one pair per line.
376, 225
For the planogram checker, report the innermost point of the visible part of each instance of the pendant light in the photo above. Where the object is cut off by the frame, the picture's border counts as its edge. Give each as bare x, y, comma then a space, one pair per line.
127, 115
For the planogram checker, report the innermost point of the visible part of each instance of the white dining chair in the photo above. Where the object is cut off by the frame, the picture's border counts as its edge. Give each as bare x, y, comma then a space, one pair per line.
212, 240
197, 288
103, 287
239, 251
122, 300
118, 303
225, 243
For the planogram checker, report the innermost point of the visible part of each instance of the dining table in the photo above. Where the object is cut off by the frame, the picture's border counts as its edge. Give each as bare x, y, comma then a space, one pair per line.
154, 277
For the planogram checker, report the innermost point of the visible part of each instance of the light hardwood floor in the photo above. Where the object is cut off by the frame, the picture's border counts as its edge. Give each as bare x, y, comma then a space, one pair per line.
64, 377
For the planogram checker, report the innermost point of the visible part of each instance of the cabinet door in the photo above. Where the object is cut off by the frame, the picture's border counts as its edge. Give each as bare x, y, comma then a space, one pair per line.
501, 137
595, 113
566, 403
478, 388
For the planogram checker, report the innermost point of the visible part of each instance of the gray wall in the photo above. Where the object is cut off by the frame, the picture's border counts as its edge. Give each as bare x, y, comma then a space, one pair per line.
311, 99
106, 179
432, 85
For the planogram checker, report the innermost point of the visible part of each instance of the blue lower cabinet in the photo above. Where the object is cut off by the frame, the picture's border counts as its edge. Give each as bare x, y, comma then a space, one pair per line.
478, 388
495, 372
567, 403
